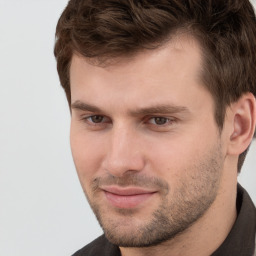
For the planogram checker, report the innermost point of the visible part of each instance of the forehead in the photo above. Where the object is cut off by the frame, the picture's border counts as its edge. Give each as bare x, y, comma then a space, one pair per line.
181, 48
182, 41
175, 65
168, 76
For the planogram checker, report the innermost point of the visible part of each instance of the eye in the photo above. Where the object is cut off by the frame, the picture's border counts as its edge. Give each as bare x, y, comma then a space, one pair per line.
159, 120
95, 119
95, 122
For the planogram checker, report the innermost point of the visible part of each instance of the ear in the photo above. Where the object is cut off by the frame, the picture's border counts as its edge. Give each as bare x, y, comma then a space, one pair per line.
243, 124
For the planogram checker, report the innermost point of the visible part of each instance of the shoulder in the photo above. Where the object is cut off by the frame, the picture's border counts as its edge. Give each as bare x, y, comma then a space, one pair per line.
100, 247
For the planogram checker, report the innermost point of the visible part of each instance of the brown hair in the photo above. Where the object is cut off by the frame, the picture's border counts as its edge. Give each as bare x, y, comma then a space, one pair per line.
226, 31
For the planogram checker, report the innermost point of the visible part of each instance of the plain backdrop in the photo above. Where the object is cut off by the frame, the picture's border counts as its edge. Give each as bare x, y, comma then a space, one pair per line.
43, 211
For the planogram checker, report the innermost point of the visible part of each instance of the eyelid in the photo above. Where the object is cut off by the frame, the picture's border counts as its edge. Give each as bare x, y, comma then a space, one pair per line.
147, 121
168, 118
87, 117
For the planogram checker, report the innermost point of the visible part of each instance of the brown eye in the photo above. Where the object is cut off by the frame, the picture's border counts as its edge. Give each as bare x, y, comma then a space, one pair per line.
160, 120
96, 119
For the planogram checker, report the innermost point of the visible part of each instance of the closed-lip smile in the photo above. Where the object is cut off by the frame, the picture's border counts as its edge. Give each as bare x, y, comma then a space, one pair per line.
127, 197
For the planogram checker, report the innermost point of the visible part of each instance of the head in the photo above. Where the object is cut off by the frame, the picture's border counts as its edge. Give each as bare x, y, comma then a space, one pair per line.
105, 30
104, 47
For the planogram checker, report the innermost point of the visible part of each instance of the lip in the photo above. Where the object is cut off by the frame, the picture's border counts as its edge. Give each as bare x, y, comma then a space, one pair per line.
129, 197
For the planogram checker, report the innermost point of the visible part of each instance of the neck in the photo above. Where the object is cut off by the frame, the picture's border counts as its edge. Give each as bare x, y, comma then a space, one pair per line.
206, 234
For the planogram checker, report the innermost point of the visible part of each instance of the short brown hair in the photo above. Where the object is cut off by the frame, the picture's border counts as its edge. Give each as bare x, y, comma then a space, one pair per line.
225, 29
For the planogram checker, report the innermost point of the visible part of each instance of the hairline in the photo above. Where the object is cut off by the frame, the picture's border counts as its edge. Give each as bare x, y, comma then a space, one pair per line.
177, 34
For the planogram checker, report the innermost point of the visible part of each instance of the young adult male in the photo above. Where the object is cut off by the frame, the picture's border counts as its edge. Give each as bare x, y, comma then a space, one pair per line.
162, 99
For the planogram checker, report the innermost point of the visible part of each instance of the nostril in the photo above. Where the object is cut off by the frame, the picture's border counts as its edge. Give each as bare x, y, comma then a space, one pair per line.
120, 165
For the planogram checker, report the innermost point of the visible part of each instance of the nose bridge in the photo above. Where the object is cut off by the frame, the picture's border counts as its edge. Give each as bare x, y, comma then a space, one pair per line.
124, 153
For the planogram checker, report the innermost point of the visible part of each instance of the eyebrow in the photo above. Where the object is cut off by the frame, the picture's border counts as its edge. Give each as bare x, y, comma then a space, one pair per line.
157, 109
160, 109
79, 105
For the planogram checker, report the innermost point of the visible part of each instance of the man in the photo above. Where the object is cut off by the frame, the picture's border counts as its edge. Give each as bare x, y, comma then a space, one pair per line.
162, 99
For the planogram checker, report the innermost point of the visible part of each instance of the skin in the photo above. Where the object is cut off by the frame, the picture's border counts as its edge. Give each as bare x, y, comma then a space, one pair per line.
145, 125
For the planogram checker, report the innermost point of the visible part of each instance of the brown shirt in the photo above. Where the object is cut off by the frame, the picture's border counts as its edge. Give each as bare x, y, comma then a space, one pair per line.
239, 242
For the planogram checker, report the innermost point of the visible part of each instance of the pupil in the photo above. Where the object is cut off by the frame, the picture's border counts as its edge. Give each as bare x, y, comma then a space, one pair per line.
97, 119
160, 120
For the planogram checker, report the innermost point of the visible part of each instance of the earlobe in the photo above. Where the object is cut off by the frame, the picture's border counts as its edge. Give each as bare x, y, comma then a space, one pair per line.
244, 121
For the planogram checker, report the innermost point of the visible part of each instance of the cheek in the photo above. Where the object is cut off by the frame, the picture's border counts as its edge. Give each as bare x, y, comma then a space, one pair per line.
171, 155
86, 154
175, 159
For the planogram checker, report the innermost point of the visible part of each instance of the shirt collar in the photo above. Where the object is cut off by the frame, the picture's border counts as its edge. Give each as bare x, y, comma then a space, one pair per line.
241, 239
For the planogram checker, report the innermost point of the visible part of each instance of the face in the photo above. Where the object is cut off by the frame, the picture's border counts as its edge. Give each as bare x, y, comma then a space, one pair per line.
145, 143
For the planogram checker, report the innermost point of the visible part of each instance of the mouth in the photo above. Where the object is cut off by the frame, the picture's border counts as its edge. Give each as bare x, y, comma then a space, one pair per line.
129, 197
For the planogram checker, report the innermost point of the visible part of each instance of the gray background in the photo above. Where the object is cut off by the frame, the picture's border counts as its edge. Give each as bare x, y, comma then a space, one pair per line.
43, 211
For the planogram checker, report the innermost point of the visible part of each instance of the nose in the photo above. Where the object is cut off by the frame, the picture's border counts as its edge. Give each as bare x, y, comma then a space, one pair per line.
124, 152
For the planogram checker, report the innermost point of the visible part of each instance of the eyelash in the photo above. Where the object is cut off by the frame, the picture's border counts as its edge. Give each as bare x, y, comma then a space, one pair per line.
87, 118
166, 121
